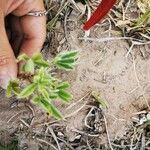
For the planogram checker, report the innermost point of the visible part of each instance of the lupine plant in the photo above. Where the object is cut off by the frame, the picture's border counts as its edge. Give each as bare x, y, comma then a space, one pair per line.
37, 82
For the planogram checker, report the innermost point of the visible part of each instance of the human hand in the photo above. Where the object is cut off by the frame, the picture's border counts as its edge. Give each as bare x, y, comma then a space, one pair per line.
21, 32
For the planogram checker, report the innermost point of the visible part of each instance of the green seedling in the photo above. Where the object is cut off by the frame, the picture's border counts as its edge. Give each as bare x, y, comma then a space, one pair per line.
12, 146
102, 103
38, 84
147, 123
144, 19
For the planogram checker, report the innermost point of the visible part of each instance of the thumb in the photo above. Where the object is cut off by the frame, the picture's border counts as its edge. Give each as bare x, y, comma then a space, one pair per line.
8, 64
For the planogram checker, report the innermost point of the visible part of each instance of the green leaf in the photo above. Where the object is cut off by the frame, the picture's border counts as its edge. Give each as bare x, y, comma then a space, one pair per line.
65, 96
45, 81
68, 55
67, 61
51, 109
52, 23
9, 90
41, 75
35, 99
45, 94
14, 145
143, 18
53, 96
63, 85
64, 66
15, 87
38, 60
29, 67
45, 105
55, 112
147, 123
27, 91
23, 57
37, 56
101, 102
12, 87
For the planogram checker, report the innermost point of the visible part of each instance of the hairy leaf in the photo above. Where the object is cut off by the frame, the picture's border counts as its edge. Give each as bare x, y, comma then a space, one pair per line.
23, 57
35, 99
53, 96
67, 61
12, 87
45, 94
63, 85
55, 112
64, 95
29, 67
9, 90
27, 91
69, 55
38, 59
64, 66
51, 109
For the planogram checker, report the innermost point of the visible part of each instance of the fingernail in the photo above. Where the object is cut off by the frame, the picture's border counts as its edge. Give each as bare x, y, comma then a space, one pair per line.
4, 79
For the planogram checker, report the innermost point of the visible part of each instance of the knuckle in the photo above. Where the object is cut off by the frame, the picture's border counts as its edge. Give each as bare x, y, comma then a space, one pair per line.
4, 60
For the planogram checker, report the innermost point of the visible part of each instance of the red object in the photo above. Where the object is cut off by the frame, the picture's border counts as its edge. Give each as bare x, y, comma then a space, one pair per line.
99, 13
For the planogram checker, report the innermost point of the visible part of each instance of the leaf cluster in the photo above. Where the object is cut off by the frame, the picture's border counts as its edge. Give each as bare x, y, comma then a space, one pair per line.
41, 86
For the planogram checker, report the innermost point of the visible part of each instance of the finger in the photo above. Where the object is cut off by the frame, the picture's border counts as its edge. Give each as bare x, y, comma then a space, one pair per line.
34, 28
7, 27
8, 65
16, 33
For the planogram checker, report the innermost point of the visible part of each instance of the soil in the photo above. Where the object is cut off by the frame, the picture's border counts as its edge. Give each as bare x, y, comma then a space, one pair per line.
122, 80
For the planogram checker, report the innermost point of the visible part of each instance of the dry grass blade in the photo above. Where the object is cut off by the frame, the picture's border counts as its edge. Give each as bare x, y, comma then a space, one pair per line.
143, 18
108, 137
75, 112
14, 116
25, 123
87, 116
111, 39
47, 143
68, 145
86, 134
54, 136
78, 101
51, 23
74, 3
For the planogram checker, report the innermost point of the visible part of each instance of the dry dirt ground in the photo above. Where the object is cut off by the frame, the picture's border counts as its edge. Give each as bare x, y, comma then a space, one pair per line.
105, 66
